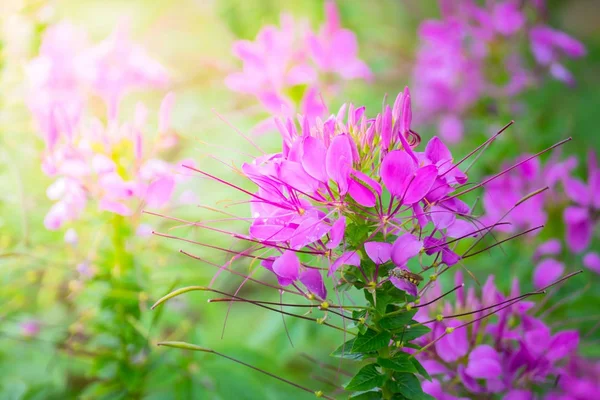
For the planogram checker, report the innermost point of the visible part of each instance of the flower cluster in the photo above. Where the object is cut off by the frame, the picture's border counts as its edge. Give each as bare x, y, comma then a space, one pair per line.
352, 198
512, 354
110, 162
288, 68
350, 171
473, 52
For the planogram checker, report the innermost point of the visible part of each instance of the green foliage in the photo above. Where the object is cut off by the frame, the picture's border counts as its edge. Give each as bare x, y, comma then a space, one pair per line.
367, 378
371, 341
401, 362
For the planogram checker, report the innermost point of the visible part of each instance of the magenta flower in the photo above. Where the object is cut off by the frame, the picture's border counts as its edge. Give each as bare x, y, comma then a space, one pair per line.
285, 61
450, 74
30, 328
331, 172
492, 356
56, 97
580, 217
86, 169
592, 261
548, 45
116, 65
335, 50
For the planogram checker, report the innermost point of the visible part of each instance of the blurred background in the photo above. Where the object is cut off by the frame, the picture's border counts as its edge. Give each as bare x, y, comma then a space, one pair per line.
58, 336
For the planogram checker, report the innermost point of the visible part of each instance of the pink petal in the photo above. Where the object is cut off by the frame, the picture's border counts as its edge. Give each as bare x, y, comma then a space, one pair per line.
268, 264
292, 174
348, 258
579, 228
484, 363
361, 194
454, 346
461, 228
396, 169
551, 247
404, 285
421, 184
437, 151
164, 116
309, 231
519, 395
386, 128
404, 248
547, 272
287, 265
378, 252
451, 128
592, 261
159, 191
406, 117
114, 207
563, 344
370, 182
312, 279
338, 162
336, 234
442, 217
577, 191
419, 215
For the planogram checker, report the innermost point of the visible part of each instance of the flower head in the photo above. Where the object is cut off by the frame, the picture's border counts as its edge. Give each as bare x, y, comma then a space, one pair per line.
288, 68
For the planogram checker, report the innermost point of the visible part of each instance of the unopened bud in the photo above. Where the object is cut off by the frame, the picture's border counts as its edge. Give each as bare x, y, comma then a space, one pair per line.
324, 305
408, 307
320, 321
319, 394
439, 317
433, 277
449, 330
361, 320
310, 296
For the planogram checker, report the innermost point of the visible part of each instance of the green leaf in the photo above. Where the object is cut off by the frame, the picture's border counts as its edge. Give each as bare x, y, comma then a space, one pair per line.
420, 369
371, 341
400, 363
397, 321
407, 385
367, 378
371, 395
415, 331
345, 351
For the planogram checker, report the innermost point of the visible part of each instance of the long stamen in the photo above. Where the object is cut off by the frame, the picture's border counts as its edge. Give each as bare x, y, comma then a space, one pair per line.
466, 235
188, 346
281, 288
518, 203
238, 131
178, 292
273, 303
440, 297
506, 170
502, 241
490, 140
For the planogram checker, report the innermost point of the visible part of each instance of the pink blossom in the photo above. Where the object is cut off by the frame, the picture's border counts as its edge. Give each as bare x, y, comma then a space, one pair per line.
286, 68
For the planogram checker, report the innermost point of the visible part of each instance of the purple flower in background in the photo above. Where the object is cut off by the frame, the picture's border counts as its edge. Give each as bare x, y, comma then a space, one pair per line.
549, 45
451, 72
116, 65
85, 156
335, 49
30, 328
507, 356
285, 62
581, 217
